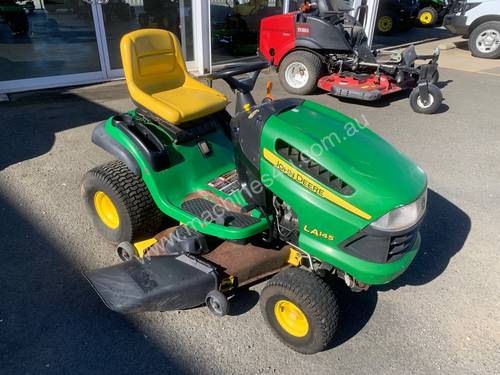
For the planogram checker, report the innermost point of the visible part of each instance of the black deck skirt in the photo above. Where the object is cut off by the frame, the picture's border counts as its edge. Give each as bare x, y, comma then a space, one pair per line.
160, 283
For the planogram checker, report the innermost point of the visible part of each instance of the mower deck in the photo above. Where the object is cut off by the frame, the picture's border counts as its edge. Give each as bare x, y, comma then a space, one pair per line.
163, 280
367, 87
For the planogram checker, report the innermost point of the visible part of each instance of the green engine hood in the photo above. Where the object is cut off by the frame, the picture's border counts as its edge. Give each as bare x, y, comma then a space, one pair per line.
381, 176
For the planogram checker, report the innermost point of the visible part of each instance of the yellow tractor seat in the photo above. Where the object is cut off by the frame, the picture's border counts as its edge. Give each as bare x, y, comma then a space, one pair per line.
159, 82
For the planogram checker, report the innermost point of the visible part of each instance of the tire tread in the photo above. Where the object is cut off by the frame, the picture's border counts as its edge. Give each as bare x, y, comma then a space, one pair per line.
319, 298
145, 216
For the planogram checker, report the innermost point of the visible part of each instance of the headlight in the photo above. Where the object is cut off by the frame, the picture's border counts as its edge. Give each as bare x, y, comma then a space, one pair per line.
403, 217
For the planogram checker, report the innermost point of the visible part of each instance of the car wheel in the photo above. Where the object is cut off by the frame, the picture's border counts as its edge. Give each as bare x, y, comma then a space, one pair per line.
484, 41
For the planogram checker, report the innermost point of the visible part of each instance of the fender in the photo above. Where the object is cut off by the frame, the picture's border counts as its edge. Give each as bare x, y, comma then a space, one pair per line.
314, 52
102, 139
280, 53
478, 21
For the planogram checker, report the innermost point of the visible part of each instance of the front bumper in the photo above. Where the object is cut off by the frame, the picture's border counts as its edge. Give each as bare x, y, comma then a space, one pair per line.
456, 24
372, 273
381, 256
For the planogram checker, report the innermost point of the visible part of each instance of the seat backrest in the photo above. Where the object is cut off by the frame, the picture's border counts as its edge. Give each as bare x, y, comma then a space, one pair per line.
152, 61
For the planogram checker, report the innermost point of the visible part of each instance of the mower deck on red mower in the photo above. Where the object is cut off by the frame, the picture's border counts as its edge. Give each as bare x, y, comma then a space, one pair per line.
364, 86
304, 46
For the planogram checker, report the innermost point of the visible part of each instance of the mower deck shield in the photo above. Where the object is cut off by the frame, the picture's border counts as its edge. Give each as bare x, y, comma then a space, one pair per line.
161, 283
367, 87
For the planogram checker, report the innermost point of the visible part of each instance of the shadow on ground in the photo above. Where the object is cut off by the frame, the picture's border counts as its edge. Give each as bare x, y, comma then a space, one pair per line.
444, 232
25, 136
462, 44
50, 319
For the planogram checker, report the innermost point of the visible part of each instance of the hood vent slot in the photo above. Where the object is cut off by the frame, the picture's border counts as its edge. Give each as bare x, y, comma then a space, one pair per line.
312, 168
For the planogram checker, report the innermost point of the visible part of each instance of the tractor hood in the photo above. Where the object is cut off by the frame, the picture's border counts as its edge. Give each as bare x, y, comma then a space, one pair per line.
376, 177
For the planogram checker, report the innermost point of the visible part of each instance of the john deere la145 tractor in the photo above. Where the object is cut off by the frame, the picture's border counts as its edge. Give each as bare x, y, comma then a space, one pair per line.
201, 203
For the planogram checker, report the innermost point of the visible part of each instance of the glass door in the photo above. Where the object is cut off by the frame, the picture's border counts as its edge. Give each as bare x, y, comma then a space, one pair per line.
235, 26
122, 16
46, 43
49, 43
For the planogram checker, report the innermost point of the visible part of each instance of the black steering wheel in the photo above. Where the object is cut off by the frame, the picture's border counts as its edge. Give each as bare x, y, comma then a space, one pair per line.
244, 84
340, 16
237, 69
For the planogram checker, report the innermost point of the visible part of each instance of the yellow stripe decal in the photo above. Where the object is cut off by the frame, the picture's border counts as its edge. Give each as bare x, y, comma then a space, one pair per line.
312, 185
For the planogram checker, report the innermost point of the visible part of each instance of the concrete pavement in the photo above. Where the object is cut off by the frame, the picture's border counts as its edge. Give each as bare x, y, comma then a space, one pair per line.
439, 317
455, 52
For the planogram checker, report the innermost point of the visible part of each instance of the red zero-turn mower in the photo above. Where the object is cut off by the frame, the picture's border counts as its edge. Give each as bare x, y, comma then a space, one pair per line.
319, 47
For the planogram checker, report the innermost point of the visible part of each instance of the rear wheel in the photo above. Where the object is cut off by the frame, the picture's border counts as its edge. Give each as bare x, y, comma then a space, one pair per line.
301, 310
299, 72
427, 107
119, 203
386, 23
484, 41
427, 16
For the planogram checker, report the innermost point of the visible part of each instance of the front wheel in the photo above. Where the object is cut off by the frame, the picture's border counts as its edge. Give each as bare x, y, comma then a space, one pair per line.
301, 310
431, 105
484, 41
299, 72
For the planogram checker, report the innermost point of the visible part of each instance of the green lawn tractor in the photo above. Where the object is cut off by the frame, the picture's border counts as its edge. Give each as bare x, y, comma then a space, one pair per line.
201, 203
432, 12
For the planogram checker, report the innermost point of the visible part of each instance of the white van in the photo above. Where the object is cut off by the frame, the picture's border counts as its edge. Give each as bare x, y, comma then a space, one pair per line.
480, 22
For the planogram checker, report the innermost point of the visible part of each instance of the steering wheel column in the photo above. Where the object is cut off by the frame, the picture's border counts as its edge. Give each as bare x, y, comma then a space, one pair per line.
242, 87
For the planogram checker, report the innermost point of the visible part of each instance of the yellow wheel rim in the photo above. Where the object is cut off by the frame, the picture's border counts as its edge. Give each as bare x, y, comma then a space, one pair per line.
291, 318
106, 210
425, 18
385, 24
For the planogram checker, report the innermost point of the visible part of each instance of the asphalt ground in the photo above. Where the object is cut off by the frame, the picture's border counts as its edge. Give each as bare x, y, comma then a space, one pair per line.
441, 316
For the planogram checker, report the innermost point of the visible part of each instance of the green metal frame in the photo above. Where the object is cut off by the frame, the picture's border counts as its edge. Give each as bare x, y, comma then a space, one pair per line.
382, 178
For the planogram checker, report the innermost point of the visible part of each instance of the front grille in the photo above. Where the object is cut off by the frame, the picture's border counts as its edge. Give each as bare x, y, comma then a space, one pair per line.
381, 247
399, 245
312, 168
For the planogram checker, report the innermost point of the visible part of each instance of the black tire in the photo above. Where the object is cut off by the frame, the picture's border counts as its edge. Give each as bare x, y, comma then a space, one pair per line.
126, 251
18, 23
436, 98
217, 303
488, 52
427, 17
387, 23
316, 301
139, 217
313, 67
